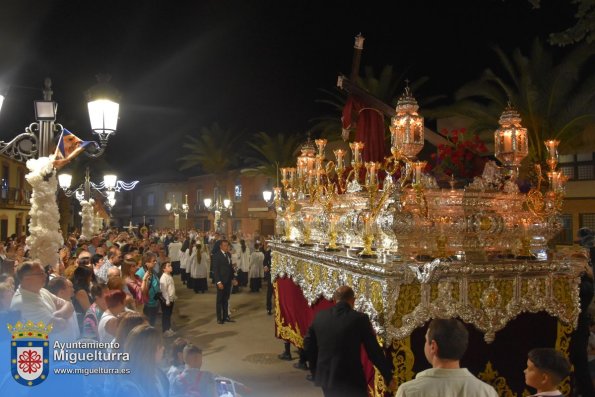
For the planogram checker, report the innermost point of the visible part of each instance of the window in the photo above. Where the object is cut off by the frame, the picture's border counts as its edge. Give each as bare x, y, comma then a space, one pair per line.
580, 167
5, 175
151, 200
587, 220
199, 199
568, 171
237, 192
565, 235
585, 172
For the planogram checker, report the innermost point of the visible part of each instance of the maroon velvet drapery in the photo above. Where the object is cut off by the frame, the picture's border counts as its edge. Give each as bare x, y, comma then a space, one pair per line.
295, 313
369, 127
500, 363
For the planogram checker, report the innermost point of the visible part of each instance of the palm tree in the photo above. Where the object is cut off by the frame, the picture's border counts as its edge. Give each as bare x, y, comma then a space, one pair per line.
555, 100
387, 87
269, 153
213, 151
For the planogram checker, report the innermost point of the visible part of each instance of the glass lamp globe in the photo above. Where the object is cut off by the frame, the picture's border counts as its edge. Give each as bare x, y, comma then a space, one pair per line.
267, 195
64, 180
407, 126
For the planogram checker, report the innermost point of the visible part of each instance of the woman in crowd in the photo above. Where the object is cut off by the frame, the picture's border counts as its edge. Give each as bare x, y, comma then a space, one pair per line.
108, 324
96, 262
145, 347
150, 286
95, 311
134, 283
127, 321
81, 282
255, 271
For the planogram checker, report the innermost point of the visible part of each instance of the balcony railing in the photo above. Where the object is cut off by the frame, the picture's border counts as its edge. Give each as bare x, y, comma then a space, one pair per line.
14, 196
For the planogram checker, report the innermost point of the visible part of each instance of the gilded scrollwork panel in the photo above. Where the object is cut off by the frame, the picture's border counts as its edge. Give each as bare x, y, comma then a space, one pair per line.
400, 297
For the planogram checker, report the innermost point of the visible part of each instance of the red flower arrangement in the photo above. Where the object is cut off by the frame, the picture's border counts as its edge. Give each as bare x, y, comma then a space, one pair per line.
463, 159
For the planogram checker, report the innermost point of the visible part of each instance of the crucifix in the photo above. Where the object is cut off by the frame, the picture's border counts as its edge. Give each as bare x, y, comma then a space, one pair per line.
130, 226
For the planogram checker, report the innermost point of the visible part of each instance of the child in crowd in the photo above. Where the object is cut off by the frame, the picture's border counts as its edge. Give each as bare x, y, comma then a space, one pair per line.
168, 290
546, 369
176, 359
192, 381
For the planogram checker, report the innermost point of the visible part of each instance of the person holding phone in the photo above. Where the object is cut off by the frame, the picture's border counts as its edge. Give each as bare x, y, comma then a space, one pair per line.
150, 286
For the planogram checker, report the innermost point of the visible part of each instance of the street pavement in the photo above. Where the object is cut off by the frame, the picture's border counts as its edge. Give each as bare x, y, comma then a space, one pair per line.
245, 350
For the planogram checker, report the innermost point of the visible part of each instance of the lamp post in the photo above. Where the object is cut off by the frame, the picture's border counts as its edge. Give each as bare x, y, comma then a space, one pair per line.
218, 207
173, 208
36, 142
107, 188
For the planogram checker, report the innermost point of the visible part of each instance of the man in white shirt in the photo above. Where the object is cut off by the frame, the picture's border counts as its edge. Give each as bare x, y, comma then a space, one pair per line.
446, 343
38, 304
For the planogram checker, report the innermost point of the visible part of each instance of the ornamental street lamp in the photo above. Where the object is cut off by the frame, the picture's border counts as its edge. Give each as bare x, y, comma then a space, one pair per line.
218, 207
173, 208
36, 143
107, 188
103, 106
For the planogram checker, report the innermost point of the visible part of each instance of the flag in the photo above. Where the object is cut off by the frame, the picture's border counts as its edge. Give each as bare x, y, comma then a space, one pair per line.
69, 146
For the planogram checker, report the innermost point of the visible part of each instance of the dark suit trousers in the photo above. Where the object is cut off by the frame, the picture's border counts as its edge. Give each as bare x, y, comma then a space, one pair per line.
269, 293
222, 302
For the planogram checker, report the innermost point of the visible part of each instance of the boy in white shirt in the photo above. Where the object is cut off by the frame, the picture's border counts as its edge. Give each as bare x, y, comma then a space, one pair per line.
168, 290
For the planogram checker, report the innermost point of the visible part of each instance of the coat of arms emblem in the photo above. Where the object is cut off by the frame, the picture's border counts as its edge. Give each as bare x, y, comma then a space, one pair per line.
29, 352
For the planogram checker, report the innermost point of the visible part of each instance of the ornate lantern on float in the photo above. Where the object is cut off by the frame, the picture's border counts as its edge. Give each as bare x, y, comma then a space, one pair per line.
510, 140
407, 126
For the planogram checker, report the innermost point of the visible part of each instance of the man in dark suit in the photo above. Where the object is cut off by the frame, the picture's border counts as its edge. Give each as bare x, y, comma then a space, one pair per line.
223, 277
333, 345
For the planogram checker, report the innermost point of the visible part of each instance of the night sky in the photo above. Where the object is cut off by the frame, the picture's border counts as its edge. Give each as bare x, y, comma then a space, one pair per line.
248, 65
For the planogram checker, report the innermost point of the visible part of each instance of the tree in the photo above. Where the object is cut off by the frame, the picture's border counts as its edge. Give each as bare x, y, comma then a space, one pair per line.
583, 29
555, 100
270, 153
213, 151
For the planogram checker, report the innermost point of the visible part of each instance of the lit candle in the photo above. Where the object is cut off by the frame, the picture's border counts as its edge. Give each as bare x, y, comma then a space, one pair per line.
507, 142
186, 200
356, 148
321, 143
339, 154
555, 178
418, 167
372, 175
552, 148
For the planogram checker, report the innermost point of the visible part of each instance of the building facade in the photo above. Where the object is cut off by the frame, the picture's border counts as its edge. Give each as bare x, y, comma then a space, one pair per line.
15, 195
249, 214
579, 204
